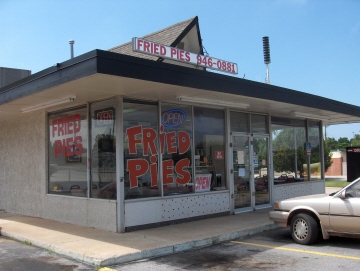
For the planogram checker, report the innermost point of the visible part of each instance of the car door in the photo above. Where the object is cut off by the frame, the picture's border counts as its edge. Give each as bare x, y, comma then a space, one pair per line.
345, 212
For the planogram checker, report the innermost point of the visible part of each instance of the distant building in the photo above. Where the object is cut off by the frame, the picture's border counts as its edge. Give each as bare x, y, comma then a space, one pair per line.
9, 75
338, 167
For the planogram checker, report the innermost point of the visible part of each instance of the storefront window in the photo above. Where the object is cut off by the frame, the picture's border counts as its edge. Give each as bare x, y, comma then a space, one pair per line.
176, 125
239, 122
289, 154
103, 150
259, 124
68, 152
141, 150
209, 125
315, 155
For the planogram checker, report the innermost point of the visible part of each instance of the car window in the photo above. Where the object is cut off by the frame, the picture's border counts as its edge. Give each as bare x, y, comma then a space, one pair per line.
353, 191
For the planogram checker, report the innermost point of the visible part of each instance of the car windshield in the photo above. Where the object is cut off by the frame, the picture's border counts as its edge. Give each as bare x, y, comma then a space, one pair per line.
353, 190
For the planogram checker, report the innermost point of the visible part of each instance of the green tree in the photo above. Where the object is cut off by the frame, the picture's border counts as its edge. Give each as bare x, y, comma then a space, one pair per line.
355, 141
343, 142
331, 143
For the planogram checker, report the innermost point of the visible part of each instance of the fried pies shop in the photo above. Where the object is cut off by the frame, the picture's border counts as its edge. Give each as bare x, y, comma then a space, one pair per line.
119, 142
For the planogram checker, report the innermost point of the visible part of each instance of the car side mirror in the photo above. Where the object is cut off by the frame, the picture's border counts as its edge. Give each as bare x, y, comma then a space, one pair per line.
342, 195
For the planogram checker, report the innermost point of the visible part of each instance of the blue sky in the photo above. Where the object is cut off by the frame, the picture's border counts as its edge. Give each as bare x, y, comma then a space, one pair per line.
314, 45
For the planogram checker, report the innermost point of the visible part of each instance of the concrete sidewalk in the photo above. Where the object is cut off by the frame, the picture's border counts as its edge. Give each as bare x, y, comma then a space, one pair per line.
103, 248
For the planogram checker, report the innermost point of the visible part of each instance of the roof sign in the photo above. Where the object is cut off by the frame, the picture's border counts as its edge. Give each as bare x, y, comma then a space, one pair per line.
160, 50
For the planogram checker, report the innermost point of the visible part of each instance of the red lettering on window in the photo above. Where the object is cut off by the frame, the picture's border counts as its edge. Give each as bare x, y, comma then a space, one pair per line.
53, 127
57, 148
136, 168
69, 146
61, 129
183, 142
168, 170
149, 139
153, 170
77, 123
78, 147
70, 124
131, 134
170, 142
66, 126
183, 176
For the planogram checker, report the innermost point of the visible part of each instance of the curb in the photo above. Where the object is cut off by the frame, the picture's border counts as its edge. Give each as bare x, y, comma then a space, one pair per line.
150, 253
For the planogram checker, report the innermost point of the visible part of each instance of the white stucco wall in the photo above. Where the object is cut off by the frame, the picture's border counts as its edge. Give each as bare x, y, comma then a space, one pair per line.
286, 191
180, 207
23, 181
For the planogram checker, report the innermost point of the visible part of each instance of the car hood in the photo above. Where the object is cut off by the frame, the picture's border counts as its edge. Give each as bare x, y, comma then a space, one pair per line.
319, 203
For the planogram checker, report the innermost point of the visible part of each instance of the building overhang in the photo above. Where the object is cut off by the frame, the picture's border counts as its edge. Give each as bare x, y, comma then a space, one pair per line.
99, 74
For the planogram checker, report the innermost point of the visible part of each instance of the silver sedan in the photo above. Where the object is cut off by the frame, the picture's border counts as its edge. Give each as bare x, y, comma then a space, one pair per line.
337, 214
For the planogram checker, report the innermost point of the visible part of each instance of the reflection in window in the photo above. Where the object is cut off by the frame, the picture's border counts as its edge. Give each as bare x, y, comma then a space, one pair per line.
175, 120
68, 152
239, 122
209, 125
259, 124
289, 155
140, 150
315, 161
103, 150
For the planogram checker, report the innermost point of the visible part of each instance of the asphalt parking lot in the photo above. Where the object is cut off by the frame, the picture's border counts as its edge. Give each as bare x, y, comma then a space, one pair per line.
271, 250
16, 256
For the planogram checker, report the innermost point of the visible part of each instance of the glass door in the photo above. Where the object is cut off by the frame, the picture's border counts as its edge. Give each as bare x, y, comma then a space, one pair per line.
260, 170
241, 172
250, 172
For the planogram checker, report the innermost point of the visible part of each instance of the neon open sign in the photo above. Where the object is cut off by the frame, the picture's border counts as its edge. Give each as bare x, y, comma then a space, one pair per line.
173, 118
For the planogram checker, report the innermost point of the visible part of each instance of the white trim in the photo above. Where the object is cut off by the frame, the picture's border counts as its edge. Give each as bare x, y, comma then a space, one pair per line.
212, 102
63, 100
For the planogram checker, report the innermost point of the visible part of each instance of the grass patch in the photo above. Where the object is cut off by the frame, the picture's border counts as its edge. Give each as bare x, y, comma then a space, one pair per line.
335, 183
50, 251
26, 243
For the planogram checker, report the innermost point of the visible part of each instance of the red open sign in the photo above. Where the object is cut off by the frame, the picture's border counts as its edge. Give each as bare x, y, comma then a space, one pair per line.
104, 116
202, 182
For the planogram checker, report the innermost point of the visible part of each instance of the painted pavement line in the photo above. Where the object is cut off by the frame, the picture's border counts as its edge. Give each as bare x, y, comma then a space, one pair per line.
298, 250
106, 269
